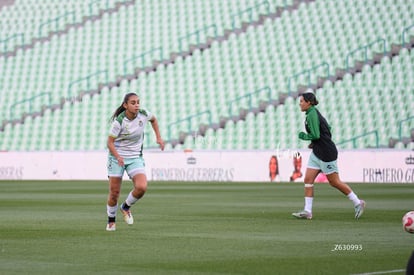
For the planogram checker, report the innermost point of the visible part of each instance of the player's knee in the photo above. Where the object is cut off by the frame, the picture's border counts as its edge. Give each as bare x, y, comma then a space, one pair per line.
141, 188
140, 185
308, 179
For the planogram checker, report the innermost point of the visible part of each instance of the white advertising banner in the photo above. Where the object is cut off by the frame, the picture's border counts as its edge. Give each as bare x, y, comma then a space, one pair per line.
53, 165
376, 166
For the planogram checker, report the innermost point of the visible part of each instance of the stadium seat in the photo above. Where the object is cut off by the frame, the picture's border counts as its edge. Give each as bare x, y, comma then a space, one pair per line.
271, 55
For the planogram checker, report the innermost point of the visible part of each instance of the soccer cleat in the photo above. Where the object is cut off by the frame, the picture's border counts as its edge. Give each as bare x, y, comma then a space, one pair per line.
303, 215
127, 215
111, 226
359, 209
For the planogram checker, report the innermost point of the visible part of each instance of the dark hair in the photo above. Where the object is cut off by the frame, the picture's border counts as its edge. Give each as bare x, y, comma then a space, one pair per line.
310, 97
121, 108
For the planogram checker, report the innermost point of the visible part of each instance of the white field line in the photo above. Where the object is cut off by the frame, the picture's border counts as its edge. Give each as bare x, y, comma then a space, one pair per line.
382, 272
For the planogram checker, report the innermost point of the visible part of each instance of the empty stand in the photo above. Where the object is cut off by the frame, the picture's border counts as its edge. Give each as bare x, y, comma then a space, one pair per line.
262, 64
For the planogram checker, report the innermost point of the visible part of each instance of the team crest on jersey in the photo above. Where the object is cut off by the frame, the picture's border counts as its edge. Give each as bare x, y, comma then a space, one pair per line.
140, 123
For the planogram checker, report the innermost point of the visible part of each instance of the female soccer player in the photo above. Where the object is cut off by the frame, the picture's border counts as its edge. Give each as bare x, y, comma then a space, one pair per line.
125, 143
323, 157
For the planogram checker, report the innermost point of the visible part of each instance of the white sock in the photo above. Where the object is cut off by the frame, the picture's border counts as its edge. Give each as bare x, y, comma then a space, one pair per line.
111, 210
308, 204
131, 200
354, 198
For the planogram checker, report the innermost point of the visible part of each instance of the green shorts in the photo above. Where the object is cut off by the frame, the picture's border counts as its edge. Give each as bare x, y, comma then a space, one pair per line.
133, 166
326, 167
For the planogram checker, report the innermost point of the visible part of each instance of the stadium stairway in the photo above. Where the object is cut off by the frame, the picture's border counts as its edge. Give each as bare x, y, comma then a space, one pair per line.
339, 74
6, 3
166, 62
67, 27
403, 142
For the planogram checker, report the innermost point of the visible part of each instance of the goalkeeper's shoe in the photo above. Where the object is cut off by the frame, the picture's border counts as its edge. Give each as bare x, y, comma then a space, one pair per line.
127, 215
359, 209
303, 215
111, 226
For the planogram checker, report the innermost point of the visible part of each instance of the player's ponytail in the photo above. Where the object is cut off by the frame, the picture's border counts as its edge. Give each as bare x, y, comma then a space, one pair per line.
121, 108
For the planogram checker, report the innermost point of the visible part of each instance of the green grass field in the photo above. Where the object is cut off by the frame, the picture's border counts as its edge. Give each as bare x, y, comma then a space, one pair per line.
202, 228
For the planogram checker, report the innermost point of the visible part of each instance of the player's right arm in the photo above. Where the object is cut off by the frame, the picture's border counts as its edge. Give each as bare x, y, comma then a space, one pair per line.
313, 125
114, 152
113, 134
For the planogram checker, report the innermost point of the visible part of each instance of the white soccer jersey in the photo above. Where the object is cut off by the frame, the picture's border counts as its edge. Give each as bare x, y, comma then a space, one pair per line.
129, 134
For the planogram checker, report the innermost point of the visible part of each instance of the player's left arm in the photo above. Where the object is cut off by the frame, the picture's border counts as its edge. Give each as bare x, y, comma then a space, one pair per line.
313, 124
154, 124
